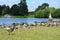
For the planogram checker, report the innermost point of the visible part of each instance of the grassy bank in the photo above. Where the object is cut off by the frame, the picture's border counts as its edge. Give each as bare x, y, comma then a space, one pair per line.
29, 16
35, 33
18, 17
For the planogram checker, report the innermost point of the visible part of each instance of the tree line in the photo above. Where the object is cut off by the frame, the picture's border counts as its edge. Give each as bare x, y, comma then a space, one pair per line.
44, 10
20, 9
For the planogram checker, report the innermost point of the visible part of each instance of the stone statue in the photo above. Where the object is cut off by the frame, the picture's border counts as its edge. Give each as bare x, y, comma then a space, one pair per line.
50, 17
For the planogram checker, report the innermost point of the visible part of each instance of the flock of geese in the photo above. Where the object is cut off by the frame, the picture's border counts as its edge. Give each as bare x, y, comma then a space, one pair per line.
26, 25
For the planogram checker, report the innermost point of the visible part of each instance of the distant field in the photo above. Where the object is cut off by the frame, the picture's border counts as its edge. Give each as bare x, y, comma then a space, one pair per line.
35, 33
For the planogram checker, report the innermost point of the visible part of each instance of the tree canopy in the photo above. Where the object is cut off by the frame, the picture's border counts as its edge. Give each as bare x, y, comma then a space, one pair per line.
20, 9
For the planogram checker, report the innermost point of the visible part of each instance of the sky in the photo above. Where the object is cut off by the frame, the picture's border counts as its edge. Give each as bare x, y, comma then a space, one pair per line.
32, 4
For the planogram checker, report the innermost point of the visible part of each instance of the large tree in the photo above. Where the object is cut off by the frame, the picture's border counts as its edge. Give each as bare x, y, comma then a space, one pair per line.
45, 5
15, 10
56, 13
8, 10
5, 10
39, 8
0, 10
23, 8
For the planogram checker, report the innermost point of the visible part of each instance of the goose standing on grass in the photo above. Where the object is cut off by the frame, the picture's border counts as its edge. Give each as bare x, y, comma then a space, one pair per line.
11, 28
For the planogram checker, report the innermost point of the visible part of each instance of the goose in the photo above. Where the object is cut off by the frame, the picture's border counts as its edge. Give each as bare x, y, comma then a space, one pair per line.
10, 28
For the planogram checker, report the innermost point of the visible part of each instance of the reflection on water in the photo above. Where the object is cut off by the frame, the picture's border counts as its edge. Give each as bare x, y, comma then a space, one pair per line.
21, 20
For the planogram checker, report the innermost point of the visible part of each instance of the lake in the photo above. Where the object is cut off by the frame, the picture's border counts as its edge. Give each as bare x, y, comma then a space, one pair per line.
9, 21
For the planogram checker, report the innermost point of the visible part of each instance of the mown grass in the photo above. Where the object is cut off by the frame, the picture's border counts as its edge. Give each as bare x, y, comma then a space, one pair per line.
35, 33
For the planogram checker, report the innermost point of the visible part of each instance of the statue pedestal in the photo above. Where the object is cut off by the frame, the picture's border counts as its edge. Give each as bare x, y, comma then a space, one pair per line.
50, 20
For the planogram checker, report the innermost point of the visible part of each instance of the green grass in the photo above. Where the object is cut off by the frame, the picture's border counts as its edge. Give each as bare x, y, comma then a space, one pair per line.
18, 16
29, 16
35, 33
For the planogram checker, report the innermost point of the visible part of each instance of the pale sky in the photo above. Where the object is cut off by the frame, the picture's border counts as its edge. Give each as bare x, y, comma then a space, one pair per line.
32, 4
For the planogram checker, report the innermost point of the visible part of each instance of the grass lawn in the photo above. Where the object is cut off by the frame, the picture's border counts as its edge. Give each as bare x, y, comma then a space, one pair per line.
35, 33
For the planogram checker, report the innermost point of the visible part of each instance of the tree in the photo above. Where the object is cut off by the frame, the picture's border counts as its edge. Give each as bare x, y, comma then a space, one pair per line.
56, 13
39, 14
45, 5
42, 13
15, 10
23, 8
46, 13
39, 8
8, 10
3, 6
5, 10
0, 10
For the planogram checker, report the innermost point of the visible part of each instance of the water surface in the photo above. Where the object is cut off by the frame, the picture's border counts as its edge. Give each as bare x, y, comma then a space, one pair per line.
9, 21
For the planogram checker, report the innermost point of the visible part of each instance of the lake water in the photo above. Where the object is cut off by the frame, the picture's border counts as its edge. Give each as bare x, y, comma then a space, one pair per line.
9, 21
